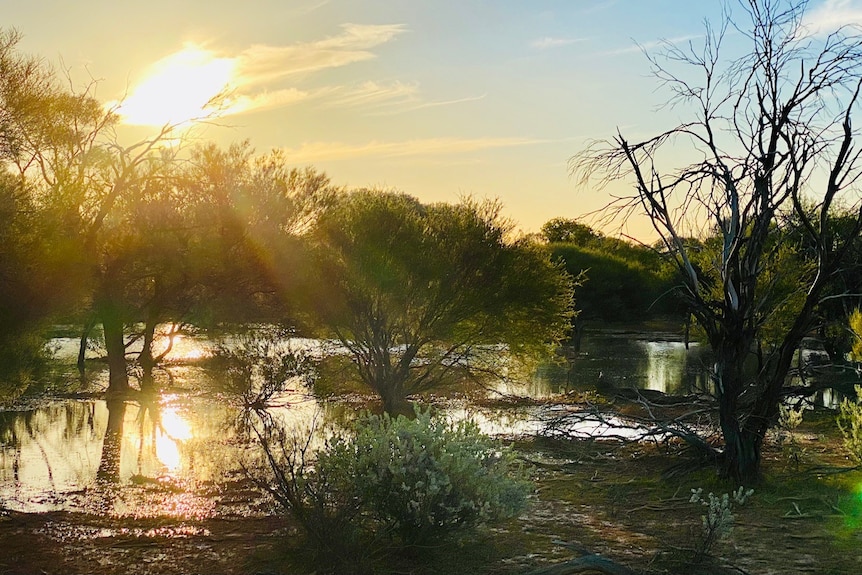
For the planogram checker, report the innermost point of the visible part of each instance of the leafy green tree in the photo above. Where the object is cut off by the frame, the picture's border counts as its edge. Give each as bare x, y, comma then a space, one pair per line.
613, 288
841, 296
27, 289
564, 230
199, 242
255, 209
418, 292
618, 280
772, 136
61, 146
38, 250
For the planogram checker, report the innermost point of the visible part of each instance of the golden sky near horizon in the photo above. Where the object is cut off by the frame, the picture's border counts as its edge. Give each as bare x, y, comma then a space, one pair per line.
438, 99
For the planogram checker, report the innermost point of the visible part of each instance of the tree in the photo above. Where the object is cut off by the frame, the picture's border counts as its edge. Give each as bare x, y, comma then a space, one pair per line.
614, 288
37, 249
254, 210
61, 146
565, 230
770, 133
198, 238
418, 292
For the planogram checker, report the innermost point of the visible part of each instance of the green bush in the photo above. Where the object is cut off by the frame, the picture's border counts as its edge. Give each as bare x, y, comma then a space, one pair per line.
394, 482
850, 424
425, 477
23, 361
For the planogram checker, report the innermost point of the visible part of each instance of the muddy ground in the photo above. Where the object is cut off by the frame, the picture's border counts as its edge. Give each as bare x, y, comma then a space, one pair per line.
629, 503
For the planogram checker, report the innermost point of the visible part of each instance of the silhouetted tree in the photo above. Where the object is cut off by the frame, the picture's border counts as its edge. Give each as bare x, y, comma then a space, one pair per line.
772, 135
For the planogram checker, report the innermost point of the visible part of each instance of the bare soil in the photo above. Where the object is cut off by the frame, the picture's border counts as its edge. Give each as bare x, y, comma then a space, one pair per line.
628, 503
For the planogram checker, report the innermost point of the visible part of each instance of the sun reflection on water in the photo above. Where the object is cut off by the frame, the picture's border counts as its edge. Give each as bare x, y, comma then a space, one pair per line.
187, 349
173, 429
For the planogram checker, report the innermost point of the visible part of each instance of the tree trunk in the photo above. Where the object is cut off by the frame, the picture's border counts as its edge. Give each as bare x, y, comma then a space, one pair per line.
115, 344
146, 360
82, 348
396, 405
742, 454
741, 461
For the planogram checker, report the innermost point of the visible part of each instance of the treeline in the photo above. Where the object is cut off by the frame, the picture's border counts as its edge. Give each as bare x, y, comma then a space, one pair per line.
619, 280
123, 238
622, 281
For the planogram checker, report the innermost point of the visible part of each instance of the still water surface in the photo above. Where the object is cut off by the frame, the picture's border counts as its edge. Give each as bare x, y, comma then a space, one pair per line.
169, 456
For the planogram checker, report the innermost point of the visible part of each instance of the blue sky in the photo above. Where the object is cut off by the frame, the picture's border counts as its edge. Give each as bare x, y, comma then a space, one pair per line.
436, 98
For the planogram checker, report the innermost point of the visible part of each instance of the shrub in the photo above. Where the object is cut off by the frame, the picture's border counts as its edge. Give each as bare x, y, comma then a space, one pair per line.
850, 424
423, 477
393, 479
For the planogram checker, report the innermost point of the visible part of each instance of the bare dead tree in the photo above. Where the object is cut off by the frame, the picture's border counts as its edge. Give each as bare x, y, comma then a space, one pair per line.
772, 141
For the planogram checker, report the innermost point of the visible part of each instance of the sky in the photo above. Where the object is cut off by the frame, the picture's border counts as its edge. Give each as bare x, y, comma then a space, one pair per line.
439, 99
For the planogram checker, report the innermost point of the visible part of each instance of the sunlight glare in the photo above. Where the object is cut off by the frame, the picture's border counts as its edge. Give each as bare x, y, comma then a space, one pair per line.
173, 431
179, 88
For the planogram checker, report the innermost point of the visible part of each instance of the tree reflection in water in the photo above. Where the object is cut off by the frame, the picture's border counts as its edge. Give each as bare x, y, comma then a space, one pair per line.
109, 463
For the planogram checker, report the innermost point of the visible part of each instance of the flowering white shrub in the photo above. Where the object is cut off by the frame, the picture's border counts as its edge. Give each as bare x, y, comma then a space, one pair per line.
424, 477
389, 479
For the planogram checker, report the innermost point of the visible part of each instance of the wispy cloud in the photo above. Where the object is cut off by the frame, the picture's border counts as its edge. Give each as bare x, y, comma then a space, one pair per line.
371, 93
831, 15
417, 104
318, 151
385, 99
439, 103
262, 64
311, 7
264, 77
239, 103
549, 42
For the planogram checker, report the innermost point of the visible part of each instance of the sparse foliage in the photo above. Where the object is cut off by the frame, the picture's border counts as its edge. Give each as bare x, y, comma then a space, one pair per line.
771, 136
855, 325
259, 365
850, 424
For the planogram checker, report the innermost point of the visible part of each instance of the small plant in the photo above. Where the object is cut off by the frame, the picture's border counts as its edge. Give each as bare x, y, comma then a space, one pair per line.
789, 418
718, 522
850, 424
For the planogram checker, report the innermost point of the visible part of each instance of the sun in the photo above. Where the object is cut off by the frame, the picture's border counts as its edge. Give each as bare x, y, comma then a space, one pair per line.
178, 89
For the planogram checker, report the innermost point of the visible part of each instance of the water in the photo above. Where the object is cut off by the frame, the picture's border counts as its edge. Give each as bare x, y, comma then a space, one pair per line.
172, 455
643, 360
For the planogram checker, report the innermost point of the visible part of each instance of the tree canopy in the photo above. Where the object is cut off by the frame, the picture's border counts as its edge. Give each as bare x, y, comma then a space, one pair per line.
419, 292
